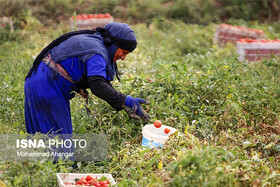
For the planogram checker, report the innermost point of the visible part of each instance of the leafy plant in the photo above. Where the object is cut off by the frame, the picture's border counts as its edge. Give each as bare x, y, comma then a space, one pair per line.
226, 111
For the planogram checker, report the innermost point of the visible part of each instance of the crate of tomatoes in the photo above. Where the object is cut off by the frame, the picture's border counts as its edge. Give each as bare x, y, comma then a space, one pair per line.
90, 21
256, 50
84, 179
228, 33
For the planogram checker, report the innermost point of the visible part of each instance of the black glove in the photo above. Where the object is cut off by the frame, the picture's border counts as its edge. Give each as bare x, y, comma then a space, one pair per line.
134, 109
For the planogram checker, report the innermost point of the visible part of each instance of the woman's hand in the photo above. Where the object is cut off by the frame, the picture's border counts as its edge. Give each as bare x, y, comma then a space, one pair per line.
134, 109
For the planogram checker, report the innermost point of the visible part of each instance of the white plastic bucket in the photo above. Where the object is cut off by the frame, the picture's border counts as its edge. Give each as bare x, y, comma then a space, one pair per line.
155, 137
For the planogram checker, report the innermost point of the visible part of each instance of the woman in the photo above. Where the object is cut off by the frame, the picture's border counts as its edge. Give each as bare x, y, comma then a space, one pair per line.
74, 62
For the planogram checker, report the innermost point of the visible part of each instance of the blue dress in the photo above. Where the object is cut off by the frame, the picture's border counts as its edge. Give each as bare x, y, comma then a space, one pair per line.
47, 94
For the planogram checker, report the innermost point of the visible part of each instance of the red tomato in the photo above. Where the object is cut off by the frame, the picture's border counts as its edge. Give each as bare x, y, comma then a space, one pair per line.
89, 16
102, 183
82, 181
100, 16
88, 178
84, 16
242, 40
107, 15
166, 130
79, 17
242, 28
157, 123
78, 183
93, 182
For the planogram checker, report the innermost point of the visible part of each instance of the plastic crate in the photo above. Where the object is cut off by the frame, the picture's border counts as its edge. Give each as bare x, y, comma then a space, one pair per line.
228, 33
255, 50
70, 177
90, 21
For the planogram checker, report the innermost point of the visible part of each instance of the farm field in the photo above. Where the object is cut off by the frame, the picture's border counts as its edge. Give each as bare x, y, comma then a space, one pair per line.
227, 112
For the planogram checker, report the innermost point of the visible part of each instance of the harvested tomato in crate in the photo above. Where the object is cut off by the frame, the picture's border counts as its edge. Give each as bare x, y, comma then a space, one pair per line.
84, 179
90, 21
228, 33
256, 50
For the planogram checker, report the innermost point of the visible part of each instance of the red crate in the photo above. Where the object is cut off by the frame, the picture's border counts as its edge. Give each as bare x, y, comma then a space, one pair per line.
90, 21
228, 33
256, 50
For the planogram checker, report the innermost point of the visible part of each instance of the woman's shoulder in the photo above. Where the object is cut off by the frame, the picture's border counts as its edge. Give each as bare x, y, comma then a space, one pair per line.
97, 59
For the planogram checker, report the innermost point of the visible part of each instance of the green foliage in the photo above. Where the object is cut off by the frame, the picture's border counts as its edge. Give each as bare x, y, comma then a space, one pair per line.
193, 11
250, 10
152, 10
34, 173
101, 6
13, 7
194, 41
224, 110
7, 35
200, 169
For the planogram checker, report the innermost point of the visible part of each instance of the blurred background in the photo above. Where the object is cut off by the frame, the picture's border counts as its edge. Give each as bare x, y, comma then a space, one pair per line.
53, 12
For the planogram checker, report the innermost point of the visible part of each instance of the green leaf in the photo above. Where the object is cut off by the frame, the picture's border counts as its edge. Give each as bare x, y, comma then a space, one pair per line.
79, 164
247, 144
103, 178
160, 165
270, 145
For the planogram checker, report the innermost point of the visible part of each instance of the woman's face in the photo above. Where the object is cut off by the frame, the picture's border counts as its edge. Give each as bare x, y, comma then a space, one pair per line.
120, 54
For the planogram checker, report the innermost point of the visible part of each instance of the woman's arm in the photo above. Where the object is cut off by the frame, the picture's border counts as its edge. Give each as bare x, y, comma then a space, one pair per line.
105, 91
